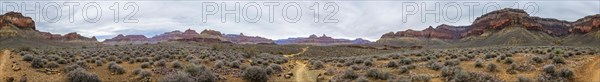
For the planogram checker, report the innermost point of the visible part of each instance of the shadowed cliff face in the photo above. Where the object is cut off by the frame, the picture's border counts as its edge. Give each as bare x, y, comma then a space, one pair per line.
18, 20
586, 24
15, 25
500, 19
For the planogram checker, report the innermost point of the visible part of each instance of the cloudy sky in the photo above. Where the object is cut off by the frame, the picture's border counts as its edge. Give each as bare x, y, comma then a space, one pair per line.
274, 19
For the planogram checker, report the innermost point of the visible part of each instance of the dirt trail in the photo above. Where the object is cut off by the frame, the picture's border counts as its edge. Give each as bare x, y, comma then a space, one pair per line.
592, 69
4, 56
301, 52
300, 72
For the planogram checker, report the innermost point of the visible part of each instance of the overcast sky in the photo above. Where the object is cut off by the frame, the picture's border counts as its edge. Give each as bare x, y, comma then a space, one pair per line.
340, 19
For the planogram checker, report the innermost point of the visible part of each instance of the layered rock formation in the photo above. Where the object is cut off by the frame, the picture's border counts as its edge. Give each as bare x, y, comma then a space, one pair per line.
121, 37
189, 35
497, 28
73, 36
243, 39
586, 24
320, 41
18, 20
15, 25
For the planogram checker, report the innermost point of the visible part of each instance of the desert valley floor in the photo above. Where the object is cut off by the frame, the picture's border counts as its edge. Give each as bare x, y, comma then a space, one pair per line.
229, 63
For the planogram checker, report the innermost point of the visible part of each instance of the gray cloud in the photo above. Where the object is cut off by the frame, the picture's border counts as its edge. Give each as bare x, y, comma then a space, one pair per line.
357, 19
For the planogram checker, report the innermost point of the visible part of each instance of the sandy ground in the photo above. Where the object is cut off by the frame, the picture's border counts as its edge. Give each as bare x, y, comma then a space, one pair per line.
3, 60
4, 57
300, 73
591, 71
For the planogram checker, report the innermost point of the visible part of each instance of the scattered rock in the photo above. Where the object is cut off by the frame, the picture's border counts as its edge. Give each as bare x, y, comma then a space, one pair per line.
288, 76
15, 68
10, 79
23, 79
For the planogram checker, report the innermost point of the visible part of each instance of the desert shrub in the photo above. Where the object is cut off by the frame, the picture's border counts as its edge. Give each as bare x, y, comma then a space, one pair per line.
355, 67
523, 79
99, 63
200, 73
566, 73
349, 74
145, 65
71, 68
144, 74
348, 63
391, 64
558, 51
362, 79
447, 71
357, 61
119, 61
559, 60
492, 67
269, 70
177, 77
375, 73
276, 68
512, 69
38, 63
368, 62
80, 75
62, 61
452, 62
394, 56
434, 65
470, 56
537, 59
558, 77
405, 61
82, 64
478, 64
116, 68
160, 63
403, 69
255, 74
420, 78
27, 57
195, 61
137, 71
219, 64
52, 65
461, 76
508, 60
411, 66
141, 73
549, 68
235, 64
176, 64
131, 61
488, 56
330, 71
316, 65
372, 73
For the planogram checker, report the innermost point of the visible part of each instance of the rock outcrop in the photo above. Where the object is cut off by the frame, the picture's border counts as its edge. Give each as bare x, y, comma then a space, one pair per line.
121, 37
494, 25
586, 24
320, 41
243, 39
15, 25
189, 35
18, 20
